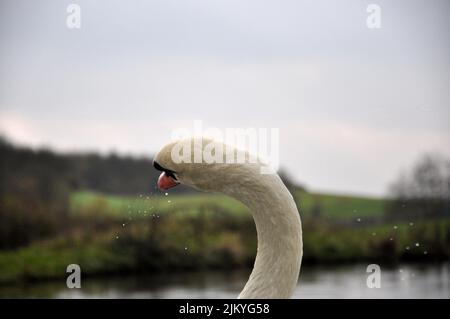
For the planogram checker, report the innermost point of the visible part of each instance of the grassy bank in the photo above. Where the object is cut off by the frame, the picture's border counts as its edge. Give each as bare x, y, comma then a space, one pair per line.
110, 234
324, 205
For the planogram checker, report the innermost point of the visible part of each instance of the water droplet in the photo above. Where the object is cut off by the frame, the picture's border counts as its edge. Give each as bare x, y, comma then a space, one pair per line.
185, 248
407, 247
166, 194
417, 244
395, 227
123, 225
117, 237
169, 201
359, 219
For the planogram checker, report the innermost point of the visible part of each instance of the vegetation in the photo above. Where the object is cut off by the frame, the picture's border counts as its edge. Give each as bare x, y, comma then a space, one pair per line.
56, 210
133, 235
424, 193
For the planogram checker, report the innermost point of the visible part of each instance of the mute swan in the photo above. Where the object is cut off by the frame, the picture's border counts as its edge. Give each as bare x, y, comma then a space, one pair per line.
278, 225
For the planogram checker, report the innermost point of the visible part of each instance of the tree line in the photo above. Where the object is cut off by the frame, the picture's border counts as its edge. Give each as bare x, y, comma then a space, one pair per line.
423, 192
35, 186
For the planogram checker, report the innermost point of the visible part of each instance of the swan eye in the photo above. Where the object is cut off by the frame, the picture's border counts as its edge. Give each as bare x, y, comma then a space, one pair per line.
157, 166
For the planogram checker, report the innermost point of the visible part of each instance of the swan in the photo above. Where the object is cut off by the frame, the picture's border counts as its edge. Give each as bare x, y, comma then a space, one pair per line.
279, 233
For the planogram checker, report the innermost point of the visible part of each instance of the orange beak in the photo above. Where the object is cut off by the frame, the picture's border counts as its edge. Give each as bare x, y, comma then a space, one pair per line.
165, 182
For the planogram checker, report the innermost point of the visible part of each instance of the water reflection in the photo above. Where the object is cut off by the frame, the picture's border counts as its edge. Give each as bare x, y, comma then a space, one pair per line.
402, 281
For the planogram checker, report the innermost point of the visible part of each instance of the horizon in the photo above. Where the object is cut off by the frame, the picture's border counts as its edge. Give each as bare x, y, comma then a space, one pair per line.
149, 157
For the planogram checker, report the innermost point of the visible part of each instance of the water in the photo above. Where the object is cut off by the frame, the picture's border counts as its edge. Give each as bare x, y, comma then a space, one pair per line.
401, 281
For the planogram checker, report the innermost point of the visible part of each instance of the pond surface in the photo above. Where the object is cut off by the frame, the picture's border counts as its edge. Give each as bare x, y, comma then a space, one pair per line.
401, 281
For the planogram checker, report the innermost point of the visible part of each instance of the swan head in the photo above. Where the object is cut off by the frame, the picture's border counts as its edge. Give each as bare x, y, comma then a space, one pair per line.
278, 225
200, 163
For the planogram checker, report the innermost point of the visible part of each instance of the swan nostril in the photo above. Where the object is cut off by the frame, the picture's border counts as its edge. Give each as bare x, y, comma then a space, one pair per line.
168, 172
171, 174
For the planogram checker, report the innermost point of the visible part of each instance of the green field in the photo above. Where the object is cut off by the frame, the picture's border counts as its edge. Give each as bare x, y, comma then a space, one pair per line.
329, 206
339, 206
139, 234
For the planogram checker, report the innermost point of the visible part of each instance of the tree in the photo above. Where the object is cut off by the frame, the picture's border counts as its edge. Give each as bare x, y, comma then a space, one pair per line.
424, 191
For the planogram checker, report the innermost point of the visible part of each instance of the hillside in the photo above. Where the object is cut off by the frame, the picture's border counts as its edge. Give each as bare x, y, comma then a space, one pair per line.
310, 204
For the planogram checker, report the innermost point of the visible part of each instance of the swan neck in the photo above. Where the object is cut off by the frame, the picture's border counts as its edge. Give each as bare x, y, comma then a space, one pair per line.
277, 264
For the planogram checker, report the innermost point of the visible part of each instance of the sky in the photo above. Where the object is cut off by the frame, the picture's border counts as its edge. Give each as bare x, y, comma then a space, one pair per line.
354, 106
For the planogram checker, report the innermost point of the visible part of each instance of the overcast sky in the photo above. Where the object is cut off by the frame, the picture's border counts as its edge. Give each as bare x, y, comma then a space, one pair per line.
354, 105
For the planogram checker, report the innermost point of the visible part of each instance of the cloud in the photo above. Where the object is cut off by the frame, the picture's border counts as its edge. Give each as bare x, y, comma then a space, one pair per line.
353, 105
